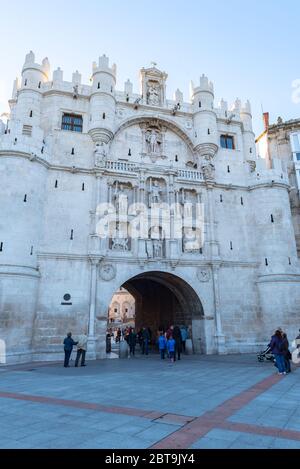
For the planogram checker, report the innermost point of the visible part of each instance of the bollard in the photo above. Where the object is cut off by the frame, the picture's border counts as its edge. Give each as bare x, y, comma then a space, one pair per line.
123, 349
189, 347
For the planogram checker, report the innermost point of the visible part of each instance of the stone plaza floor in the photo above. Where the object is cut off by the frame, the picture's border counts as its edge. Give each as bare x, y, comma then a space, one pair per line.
215, 402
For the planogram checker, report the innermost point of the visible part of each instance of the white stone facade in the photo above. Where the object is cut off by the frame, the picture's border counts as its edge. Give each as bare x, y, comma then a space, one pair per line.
57, 274
282, 141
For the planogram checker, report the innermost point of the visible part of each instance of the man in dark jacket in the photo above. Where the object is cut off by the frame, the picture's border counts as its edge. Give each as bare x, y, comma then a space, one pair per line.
277, 346
68, 347
178, 342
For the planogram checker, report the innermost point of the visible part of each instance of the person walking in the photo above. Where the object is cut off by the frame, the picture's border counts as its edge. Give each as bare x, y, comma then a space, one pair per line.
286, 353
68, 347
131, 341
145, 344
162, 345
276, 345
171, 344
178, 342
184, 336
81, 350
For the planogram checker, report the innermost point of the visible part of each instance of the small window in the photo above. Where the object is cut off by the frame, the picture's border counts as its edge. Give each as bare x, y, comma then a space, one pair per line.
56, 184
176, 157
231, 245
115, 310
72, 122
103, 115
242, 201
67, 296
30, 114
73, 151
1, 246
298, 156
201, 251
25, 82
98, 86
227, 142
72, 233
129, 152
31, 250
82, 187
208, 131
39, 85
200, 104
266, 261
221, 198
111, 89
272, 219
42, 150
250, 150
290, 261
25, 198
228, 169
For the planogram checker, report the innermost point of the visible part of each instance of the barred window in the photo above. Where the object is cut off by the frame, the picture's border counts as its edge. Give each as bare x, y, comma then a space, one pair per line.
72, 122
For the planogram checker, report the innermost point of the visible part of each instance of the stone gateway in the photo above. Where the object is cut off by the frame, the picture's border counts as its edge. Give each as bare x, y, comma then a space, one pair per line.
103, 189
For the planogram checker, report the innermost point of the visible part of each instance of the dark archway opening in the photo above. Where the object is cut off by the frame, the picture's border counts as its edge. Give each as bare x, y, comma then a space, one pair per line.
162, 299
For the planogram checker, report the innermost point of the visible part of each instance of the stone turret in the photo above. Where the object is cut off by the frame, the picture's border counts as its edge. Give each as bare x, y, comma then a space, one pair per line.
102, 101
248, 134
205, 119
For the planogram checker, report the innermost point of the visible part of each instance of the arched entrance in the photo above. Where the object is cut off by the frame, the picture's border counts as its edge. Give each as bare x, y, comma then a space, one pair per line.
162, 299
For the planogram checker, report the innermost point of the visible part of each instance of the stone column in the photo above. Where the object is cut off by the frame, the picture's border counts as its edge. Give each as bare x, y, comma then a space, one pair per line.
219, 336
210, 216
93, 290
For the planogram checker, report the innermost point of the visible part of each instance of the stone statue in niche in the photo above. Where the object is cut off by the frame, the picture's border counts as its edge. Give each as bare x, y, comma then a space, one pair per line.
100, 154
154, 194
154, 141
120, 199
153, 94
208, 168
191, 241
157, 248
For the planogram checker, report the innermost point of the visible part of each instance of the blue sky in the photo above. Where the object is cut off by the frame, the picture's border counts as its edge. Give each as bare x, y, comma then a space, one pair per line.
249, 49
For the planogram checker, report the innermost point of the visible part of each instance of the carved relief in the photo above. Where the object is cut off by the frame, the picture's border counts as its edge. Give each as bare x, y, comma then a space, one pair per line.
203, 274
107, 272
191, 240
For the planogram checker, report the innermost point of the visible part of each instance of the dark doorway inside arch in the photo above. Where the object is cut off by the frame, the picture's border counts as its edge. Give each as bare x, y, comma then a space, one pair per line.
162, 299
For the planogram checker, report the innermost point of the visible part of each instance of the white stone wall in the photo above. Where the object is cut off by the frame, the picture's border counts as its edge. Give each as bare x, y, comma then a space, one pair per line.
49, 246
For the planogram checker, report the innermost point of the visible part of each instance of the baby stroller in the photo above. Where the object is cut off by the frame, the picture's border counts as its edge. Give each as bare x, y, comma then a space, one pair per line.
266, 355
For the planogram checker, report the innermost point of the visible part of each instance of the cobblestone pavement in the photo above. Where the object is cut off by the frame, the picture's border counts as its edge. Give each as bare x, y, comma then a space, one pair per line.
227, 401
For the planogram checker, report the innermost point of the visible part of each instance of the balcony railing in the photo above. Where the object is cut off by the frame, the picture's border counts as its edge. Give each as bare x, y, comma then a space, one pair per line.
120, 166
190, 175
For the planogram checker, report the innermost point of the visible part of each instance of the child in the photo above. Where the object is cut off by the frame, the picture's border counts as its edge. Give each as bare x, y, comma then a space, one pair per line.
162, 345
171, 348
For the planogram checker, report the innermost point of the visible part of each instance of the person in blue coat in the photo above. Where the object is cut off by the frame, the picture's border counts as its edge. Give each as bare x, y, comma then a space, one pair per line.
162, 345
68, 347
171, 344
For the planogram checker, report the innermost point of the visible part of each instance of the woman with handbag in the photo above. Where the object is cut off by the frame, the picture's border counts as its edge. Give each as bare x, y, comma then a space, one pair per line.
286, 353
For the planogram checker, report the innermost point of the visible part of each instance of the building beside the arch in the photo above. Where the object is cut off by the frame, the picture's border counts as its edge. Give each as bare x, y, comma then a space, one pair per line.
282, 141
69, 148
